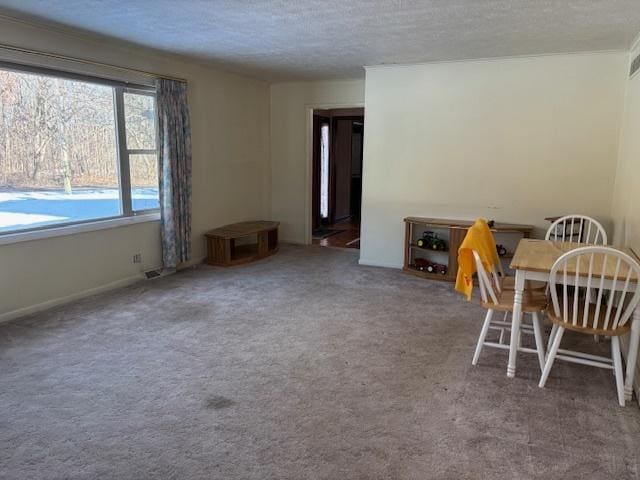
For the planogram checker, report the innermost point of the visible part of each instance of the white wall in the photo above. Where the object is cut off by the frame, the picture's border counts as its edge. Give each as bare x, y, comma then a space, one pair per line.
291, 106
626, 194
513, 140
230, 135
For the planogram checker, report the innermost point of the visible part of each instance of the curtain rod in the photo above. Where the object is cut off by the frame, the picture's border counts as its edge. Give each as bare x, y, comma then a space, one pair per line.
88, 62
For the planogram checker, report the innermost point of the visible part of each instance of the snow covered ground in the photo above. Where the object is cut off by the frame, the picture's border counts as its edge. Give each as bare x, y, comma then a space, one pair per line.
35, 208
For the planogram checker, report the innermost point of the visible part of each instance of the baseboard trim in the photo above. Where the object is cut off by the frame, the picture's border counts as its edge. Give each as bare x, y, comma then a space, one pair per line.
375, 263
294, 241
193, 263
39, 307
124, 282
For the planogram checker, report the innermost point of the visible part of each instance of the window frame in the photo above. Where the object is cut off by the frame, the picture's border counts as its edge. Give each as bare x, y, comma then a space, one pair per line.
127, 214
124, 152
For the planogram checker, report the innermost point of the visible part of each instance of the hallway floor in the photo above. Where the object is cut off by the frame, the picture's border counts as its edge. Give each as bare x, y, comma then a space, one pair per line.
348, 238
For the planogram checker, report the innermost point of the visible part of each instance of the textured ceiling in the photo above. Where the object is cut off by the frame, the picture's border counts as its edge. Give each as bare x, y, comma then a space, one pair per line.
302, 39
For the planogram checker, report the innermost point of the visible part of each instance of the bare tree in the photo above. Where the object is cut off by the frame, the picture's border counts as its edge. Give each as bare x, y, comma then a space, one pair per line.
61, 133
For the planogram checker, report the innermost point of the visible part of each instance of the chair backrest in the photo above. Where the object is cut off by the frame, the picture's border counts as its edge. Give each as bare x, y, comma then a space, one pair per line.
497, 264
577, 229
612, 285
488, 285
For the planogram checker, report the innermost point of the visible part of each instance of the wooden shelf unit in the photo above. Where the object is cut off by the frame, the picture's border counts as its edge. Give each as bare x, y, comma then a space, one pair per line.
453, 232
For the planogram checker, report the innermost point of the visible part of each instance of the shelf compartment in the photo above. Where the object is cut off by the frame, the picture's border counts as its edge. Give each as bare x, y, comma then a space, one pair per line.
433, 276
413, 245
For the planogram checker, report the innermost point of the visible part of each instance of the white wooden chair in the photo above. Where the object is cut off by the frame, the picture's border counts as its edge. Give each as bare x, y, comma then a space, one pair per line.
608, 315
508, 283
496, 298
577, 229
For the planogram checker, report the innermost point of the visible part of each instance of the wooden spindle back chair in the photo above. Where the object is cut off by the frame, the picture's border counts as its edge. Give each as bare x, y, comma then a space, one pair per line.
496, 298
577, 229
611, 280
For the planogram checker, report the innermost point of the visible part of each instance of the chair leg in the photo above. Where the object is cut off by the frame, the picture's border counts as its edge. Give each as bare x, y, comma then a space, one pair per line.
502, 330
539, 343
617, 365
554, 329
551, 356
483, 335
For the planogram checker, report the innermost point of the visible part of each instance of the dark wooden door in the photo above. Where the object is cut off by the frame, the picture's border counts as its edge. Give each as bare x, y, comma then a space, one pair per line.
357, 143
343, 129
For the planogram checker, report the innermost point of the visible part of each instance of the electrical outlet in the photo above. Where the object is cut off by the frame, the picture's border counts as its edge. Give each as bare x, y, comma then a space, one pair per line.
137, 258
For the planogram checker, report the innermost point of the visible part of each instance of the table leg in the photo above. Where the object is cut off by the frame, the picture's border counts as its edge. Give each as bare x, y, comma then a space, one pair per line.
516, 319
633, 354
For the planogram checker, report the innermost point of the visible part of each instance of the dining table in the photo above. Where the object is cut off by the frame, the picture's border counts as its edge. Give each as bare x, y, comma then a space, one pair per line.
533, 260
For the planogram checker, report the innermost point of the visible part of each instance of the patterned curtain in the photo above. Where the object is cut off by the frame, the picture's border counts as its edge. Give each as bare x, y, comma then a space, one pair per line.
174, 139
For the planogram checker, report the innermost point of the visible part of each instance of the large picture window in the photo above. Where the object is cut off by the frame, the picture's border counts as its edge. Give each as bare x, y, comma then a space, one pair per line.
74, 150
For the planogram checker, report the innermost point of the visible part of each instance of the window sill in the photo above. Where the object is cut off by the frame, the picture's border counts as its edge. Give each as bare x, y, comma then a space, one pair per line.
77, 228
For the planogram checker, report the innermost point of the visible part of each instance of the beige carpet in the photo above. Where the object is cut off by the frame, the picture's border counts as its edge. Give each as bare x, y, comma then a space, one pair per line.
302, 366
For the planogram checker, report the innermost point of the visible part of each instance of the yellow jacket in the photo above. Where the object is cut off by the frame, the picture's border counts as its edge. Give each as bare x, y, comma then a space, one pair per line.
480, 239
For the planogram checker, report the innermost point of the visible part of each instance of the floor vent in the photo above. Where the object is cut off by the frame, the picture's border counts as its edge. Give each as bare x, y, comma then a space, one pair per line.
635, 66
153, 274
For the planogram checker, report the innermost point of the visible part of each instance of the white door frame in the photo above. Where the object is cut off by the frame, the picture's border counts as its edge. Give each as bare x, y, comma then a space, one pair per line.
308, 198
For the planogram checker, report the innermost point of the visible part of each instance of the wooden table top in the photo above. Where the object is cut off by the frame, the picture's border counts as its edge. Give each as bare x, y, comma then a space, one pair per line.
242, 229
540, 255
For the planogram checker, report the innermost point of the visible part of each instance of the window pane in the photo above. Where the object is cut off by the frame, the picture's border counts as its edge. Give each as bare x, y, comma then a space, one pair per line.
140, 119
58, 160
144, 181
324, 171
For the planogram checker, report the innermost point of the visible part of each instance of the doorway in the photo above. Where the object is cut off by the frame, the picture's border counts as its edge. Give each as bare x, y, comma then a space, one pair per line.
338, 138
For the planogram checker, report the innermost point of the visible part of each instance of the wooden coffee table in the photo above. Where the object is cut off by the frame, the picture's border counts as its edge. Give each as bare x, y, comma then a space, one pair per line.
231, 245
